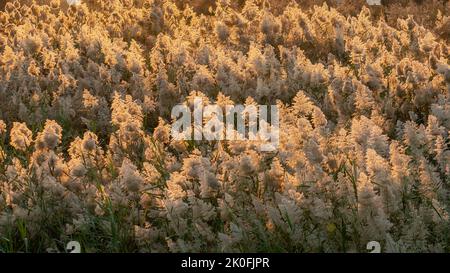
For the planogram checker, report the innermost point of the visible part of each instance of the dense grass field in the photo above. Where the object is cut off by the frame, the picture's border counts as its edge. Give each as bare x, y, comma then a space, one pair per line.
87, 155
